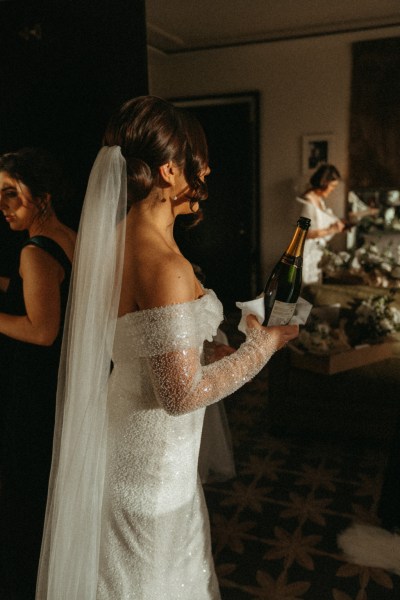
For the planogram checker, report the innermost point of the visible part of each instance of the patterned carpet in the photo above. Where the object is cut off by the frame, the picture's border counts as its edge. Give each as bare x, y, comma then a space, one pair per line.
274, 526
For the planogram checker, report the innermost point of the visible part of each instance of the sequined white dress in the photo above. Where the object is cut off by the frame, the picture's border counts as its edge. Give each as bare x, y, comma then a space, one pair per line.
155, 529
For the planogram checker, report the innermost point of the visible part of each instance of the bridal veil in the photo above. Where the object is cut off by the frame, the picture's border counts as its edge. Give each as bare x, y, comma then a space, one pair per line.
69, 560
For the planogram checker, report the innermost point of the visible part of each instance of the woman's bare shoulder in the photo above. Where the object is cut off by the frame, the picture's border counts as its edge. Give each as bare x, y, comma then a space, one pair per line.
36, 263
66, 238
165, 278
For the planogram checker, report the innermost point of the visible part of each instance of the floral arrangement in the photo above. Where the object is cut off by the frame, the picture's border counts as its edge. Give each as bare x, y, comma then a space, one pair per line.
369, 264
319, 337
388, 221
366, 321
372, 319
371, 257
334, 264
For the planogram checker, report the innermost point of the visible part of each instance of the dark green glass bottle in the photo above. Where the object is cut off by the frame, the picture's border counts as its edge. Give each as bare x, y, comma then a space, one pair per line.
283, 286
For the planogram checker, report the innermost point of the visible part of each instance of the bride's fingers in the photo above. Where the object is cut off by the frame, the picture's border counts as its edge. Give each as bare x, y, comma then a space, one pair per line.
252, 321
283, 333
293, 331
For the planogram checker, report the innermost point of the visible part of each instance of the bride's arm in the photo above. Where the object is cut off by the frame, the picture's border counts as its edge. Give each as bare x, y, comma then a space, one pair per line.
182, 384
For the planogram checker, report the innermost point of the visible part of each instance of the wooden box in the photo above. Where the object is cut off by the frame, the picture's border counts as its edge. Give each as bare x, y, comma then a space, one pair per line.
341, 361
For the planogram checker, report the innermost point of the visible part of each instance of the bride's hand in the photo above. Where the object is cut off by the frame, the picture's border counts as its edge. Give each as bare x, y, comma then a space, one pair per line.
281, 334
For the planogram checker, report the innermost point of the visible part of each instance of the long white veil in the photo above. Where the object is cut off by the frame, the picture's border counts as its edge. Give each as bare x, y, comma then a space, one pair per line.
70, 551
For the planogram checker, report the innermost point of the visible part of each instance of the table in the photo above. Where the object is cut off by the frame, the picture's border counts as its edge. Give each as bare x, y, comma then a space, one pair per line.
360, 403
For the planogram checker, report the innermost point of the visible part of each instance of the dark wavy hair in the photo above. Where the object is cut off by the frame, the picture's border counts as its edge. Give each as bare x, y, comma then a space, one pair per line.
196, 162
152, 132
39, 171
323, 176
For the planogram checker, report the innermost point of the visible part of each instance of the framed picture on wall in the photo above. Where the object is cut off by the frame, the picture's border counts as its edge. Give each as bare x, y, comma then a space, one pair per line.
317, 148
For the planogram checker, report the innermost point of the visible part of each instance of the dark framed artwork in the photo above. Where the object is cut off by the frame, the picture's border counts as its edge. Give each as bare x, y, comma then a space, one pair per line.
316, 149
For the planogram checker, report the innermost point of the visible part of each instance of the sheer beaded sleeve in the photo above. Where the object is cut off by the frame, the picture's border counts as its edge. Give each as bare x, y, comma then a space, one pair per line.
170, 339
181, 384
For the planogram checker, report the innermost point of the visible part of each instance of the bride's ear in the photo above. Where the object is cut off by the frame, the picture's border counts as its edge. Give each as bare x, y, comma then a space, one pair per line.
167, 172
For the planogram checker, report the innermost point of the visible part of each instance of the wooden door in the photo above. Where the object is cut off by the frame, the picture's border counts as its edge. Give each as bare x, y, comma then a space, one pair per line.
225, 244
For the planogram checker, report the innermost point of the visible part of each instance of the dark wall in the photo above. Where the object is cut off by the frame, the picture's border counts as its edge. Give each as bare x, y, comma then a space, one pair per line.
374, 149
65, 66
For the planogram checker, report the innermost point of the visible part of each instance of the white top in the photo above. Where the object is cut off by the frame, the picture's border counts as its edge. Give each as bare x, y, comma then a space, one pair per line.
321, 218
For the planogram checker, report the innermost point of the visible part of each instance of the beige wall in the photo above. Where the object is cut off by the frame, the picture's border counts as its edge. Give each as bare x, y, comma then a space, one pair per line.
304, 88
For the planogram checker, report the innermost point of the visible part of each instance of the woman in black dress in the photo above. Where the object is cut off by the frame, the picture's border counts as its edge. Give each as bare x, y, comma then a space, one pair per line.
31, 323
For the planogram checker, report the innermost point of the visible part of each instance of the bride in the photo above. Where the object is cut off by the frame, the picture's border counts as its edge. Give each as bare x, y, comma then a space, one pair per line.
126, 517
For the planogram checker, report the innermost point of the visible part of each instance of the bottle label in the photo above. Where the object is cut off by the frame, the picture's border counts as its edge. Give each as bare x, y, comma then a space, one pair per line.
295, 261
281, 313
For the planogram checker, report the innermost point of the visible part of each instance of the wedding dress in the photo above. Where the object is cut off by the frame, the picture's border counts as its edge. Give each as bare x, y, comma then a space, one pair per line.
155, 539
126, 517
216, 458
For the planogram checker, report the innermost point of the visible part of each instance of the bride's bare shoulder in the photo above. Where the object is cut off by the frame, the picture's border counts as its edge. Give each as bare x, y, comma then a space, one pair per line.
164, 278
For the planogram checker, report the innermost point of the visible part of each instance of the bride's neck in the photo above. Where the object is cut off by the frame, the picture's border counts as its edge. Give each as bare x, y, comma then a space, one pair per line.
156, 215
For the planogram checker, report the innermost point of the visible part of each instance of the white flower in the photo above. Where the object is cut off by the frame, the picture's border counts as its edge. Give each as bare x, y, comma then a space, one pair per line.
395, 315
387, 267
323, 329
374, 260
385, 325
337, 261
355, 264
387, 253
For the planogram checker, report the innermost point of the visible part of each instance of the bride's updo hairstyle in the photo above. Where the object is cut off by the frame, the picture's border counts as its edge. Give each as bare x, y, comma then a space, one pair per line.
152, 132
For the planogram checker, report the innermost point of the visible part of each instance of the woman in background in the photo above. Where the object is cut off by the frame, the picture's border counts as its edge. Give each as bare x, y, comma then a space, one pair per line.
31, 325
324, 223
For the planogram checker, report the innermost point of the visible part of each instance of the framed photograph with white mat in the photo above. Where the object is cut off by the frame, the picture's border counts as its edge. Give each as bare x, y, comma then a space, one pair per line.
316, 149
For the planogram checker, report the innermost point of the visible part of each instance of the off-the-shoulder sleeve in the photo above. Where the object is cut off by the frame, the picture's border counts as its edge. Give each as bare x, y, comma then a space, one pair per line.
156, 331
171, 339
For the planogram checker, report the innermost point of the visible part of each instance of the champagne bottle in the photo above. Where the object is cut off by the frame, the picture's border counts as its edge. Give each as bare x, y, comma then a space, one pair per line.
283, 286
